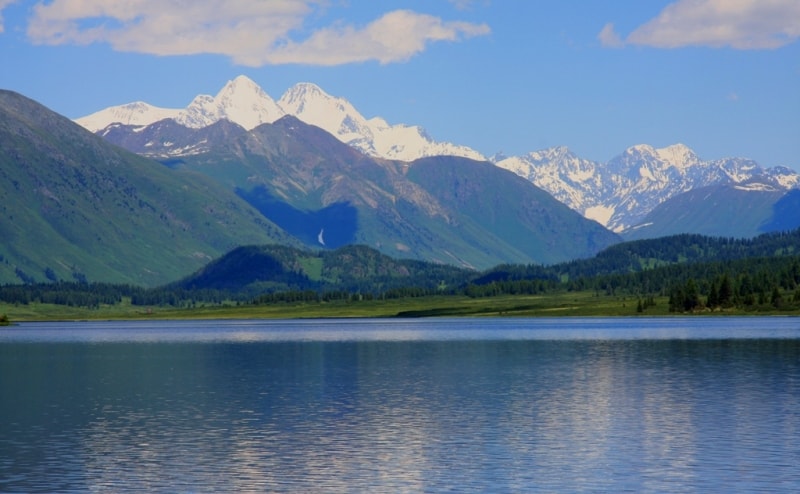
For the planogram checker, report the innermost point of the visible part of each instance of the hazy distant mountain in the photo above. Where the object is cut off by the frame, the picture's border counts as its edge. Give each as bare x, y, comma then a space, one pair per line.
243, 102
737, 211
76, 207
620, 193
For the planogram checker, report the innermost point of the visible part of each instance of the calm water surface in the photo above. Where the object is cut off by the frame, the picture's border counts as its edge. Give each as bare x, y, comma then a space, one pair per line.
500, 405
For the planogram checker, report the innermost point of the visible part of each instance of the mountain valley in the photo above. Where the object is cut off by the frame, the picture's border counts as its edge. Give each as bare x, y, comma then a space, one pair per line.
158, 192
78, 207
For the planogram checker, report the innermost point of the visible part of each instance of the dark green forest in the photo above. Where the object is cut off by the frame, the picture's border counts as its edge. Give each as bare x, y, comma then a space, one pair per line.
694, 271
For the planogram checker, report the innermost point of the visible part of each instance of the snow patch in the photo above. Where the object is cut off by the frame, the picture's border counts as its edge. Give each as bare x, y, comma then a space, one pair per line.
601, 214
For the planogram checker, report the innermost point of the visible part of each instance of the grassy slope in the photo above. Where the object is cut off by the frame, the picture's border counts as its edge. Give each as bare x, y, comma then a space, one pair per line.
73, 204
723, 211
574, 304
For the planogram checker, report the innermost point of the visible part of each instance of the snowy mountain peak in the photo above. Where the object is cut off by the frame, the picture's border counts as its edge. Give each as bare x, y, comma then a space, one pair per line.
137, 113
243, 102
303, 90
241, 83
554, 153
678, 155
311, 104
640, 149
621, 192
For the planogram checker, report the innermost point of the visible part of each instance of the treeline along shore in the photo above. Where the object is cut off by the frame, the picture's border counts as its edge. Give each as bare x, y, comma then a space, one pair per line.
683, 274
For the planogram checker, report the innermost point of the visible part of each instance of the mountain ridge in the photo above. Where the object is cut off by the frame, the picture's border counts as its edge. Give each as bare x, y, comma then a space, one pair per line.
76, 207
243, 102
618, 193
622, 191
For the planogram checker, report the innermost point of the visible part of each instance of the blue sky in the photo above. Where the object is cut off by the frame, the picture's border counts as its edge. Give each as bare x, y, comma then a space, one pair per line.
721, 76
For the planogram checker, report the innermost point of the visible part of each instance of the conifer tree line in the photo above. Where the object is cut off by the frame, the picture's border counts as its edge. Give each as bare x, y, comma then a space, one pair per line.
694, 272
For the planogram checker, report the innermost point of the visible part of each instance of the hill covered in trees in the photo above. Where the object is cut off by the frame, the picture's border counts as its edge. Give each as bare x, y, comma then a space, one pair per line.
693, 271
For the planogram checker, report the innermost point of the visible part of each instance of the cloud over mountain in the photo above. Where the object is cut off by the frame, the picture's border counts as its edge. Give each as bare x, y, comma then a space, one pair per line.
743, 24
250, 33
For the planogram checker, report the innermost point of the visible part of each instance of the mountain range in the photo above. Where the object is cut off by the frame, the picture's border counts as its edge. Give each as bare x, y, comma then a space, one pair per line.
146, 195
77, 206
243, 102
622, 192
618, 194
446, 209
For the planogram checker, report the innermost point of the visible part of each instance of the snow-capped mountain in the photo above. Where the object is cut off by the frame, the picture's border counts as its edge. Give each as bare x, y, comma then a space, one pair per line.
618, 194
374, 137
136, 113
243, 102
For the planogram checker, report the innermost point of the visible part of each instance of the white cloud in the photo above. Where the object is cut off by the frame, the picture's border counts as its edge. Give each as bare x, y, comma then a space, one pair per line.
608, 37
395, 37
249, 32
740, 24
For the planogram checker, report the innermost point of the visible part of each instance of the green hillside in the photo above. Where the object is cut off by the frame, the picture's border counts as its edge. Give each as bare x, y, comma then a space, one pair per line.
327, 194
352, 269
723, 210
74, 207
487, 202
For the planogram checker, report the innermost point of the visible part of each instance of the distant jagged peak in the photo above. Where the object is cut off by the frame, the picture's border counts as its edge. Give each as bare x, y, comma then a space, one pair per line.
309, 102
243, 102
304, 90
240, 100
552, 153
241, 83
640, 149
136, 113
678, 155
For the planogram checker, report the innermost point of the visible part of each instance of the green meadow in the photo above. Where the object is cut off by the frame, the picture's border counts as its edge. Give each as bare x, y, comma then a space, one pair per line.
573, 304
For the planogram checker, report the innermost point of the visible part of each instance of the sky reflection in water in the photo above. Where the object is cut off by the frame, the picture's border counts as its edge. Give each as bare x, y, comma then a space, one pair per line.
408, 405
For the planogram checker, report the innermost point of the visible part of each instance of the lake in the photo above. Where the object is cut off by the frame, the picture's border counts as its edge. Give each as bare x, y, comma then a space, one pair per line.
425, 405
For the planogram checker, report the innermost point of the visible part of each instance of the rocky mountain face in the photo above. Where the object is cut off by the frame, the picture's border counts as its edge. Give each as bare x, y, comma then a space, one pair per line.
621, 192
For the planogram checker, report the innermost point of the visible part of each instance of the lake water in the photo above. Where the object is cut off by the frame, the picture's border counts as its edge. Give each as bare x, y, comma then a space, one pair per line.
433, 405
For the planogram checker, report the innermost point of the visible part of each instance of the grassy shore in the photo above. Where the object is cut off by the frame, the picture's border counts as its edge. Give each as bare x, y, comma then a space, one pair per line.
550, 305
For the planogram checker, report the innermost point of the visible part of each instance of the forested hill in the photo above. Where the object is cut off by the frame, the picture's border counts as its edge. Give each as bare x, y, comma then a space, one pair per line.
694, 271
641, 255
354, 269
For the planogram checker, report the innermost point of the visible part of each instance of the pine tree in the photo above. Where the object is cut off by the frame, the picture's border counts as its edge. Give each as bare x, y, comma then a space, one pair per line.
725, 293
691, 296
713, 296
777, 299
